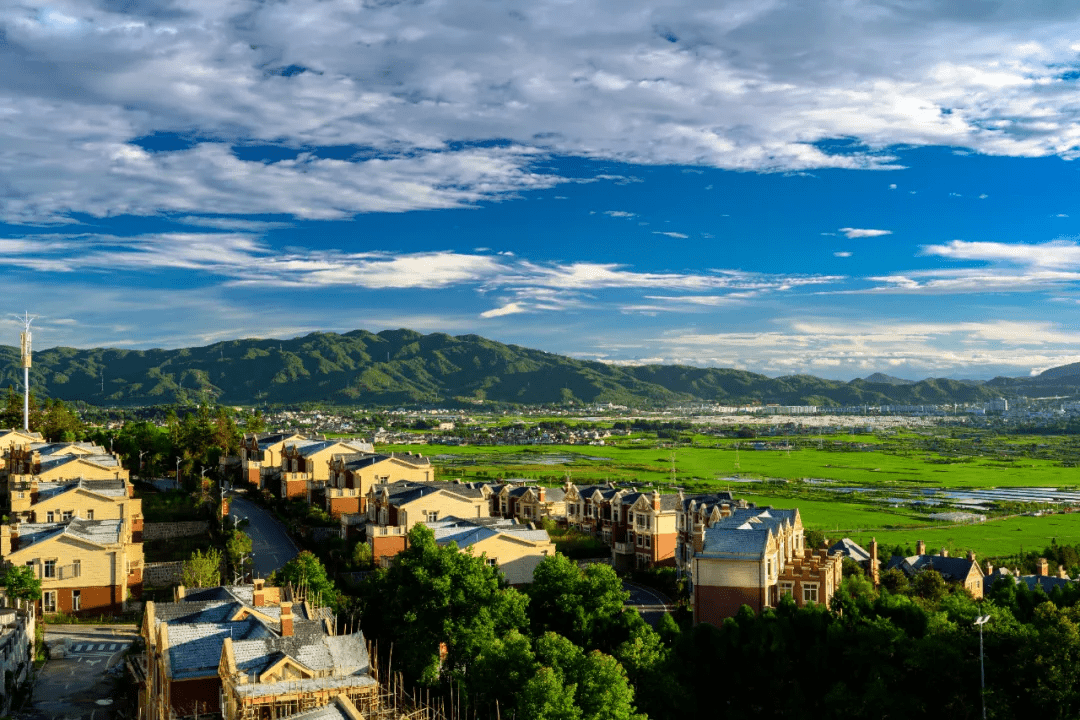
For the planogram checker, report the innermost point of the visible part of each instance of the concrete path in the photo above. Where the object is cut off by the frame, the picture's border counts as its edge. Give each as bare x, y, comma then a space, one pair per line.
270, 544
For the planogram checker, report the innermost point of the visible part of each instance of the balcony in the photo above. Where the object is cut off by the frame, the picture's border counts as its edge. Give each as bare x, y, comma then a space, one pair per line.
385, 530
624, 548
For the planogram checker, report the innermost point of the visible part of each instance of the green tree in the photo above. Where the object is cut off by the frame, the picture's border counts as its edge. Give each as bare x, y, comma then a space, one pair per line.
308, 577
929, 584
255, 422
546, 697
59, 424
203, 570
575, 603
22, 583
361, 555
237, 545
442, 609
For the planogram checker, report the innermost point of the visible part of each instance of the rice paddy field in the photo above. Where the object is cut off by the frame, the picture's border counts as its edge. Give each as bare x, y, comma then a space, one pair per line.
846, 486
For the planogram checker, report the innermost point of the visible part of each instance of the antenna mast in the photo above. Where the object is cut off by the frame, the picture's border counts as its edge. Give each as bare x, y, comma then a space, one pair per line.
24, 343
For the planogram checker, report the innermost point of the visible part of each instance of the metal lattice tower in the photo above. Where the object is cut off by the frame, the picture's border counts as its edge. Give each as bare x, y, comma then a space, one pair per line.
25, 346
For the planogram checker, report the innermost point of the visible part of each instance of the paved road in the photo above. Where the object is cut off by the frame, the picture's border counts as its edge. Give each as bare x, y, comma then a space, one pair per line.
269, 541
652, 604
83, 678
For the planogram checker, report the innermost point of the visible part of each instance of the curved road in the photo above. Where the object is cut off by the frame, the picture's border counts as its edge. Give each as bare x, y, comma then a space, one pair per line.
270, 544
650, 603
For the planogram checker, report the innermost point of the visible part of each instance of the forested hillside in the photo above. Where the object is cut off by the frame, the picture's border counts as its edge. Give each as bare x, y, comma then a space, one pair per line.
397, 367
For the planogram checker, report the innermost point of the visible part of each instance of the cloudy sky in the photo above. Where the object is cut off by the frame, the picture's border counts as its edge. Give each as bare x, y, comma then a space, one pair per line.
828, 187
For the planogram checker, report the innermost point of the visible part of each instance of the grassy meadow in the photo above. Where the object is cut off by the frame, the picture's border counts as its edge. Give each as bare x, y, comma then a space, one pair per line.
777, 476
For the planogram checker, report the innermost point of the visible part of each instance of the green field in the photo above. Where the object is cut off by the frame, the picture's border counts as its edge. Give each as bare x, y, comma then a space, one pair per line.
901, 463
993, 538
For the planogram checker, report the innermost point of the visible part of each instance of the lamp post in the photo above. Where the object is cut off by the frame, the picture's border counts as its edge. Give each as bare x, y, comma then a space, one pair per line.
177, 473
141, 453
980, 621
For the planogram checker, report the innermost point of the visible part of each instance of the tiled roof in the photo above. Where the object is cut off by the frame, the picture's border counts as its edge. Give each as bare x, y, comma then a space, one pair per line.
112, 488
195, 648
1046, 582
334, 654
101, 532
355, 461
849, 548
951, 568
333, 711
725, 541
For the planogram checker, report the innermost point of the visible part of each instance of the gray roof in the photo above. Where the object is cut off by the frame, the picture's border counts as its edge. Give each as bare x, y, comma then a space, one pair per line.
404, 491
307, 448
745, 534
112, 488
355, 461
849, 548
195, 648
338, 655
101, 532
1046, 582
469, 531
333, 711
951, 568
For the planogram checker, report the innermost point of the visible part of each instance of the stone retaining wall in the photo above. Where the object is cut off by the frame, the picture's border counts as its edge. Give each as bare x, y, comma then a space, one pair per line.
169, 530
322, 534
162, 574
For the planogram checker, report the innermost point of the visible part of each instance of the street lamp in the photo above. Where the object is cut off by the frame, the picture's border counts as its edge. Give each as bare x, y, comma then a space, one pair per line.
177, 473
980, 621
141, 453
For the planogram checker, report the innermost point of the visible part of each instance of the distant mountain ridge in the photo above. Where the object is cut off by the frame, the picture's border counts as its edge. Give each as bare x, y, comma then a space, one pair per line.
398, 367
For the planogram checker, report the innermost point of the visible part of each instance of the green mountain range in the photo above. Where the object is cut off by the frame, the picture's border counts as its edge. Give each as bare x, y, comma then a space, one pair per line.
403, 367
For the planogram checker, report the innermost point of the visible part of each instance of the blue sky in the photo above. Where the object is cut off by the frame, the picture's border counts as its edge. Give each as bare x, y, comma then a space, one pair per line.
823, 187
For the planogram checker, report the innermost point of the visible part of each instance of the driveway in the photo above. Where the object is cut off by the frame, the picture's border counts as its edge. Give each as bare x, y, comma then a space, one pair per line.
270, 544
652, 604
84, 677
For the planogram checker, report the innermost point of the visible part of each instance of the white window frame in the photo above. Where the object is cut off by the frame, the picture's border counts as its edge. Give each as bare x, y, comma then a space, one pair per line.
48, 601
76, 568
89, 514
787, 588
808, 590
48, 569
67, 515
76, 600
50, 516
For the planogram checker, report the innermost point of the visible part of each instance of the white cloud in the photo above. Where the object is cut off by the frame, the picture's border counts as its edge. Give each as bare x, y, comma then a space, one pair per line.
670, 234
859, 347
842, 254
508, 309
79, 80
851, 233
620, 214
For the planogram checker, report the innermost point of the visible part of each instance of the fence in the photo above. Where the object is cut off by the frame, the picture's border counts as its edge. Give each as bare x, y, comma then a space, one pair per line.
162, 574
169, 530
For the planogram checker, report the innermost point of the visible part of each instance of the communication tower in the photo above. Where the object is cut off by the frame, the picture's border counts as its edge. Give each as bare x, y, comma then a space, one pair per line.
24, 344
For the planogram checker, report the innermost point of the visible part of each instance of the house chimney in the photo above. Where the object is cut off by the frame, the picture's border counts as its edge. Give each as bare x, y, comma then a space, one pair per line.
699, 538
989, 568
541, 494
1042, 568
179, 593
286, 619
944, 552
920, 548
1061, 572
874, 565
656, 500
259, 595
971, 555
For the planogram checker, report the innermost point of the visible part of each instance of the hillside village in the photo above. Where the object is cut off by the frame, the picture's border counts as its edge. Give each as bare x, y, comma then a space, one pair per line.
251, 650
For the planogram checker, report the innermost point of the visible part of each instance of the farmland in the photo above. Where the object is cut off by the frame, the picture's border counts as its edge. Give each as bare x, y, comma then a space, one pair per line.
850, 485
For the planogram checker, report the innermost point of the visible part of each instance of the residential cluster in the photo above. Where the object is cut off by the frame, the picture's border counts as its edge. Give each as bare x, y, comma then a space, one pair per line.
70, 514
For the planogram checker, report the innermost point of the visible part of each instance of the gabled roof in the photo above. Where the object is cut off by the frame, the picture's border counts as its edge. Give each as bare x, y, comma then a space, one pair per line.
335, 661
406, 491
195, 647
951, 568
1046, 582
99, 532
307, 448
849, 548
356, 461
109, 488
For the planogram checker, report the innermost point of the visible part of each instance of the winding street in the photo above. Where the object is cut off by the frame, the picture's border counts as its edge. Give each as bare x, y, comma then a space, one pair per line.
270, 544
